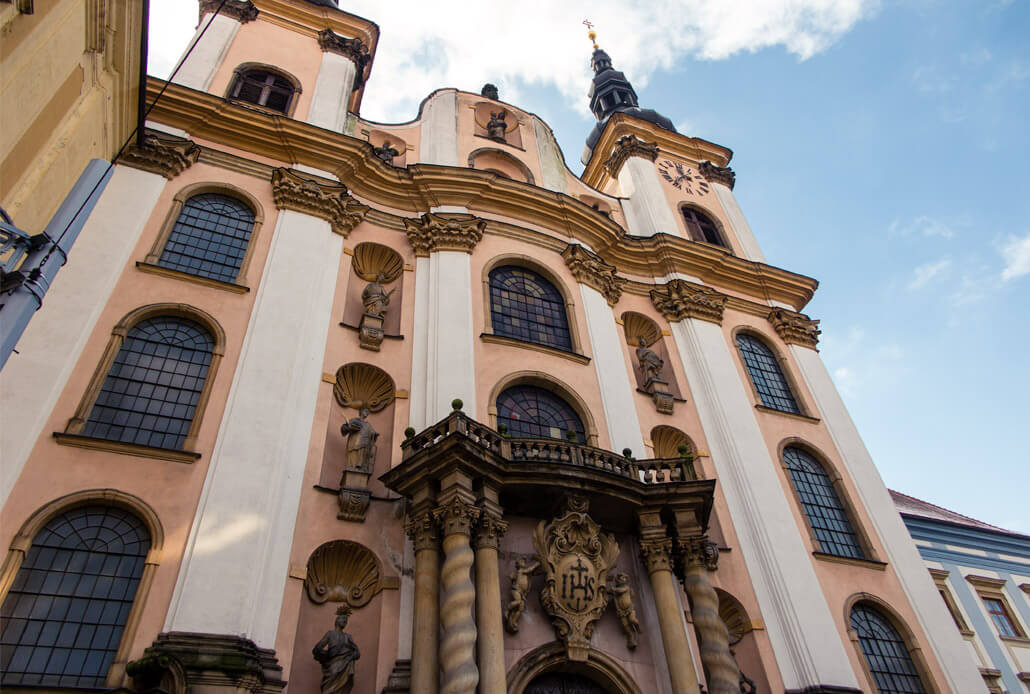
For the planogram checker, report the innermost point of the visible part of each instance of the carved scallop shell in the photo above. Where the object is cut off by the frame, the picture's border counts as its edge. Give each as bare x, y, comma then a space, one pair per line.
343, 571
638, 325
363, 385
372, 258
733, 615
667, 441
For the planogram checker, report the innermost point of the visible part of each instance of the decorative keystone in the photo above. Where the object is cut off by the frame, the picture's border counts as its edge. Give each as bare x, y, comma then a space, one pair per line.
795, 328
588, 268
333, 203
629, 146
451, 232
680, 299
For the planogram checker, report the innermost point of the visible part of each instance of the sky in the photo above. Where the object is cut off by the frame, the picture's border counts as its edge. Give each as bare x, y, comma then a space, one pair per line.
880, 147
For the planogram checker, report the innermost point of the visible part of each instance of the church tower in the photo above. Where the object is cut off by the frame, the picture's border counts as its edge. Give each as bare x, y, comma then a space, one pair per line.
321, 403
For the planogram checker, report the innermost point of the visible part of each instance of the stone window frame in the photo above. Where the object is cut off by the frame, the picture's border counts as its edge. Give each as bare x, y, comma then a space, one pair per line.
988, 588
22, 542
150, 261
551, 384
72, 434
801, 397
237, 72
872, 556
552, 656
915, 651
940, 579
720, 228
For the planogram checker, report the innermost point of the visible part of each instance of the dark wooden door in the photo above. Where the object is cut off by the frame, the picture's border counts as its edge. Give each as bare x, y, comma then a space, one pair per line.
564, 683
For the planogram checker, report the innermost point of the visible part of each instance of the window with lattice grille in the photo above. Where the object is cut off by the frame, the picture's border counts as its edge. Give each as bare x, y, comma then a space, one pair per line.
766, 375
525, 306
822, 506
209, 237
532, 412
885, 652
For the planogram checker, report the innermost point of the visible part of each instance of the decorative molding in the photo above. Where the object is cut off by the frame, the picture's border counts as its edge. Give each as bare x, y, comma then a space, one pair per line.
242, 11
718, 174
657, 555
343, 571
629, 146
525, 344
352, 49
637, 325
371, 259
423, 532
795, 328
444, 232
588, 268
353, 502
489, 531
986, 582
679, 299
169, 158
188, 277
456, 516
94, 444
360, 385
333, 203
699, 550
867, 563
732, 614
186, 662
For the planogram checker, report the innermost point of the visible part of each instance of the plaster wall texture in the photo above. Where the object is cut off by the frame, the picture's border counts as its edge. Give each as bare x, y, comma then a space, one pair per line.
438, 140
450, 357
332, 92
745, 238
205, 54
647, 212
552, 166
251, 494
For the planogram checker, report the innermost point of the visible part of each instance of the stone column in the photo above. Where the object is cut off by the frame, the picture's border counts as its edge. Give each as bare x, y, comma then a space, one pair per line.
699, 557
490, 645
459, 674
342, 71
425, 639
209, 50
647, 209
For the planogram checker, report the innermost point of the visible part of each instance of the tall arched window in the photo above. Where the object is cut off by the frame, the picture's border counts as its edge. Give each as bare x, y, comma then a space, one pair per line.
532, 412
766, 375
525, 306
210, 237
154, 384
822, 506
885, 652
701, 227
264, 88
62, 620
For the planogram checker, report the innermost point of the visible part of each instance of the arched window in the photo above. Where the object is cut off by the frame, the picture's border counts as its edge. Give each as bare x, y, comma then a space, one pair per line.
264, 88
823, 509
210, 237
766, 374
152, 388
525, 306
62, 621
532, 412
563, 683
701, 228
885, 652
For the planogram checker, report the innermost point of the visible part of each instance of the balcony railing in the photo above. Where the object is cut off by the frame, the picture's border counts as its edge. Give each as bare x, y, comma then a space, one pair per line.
520, 450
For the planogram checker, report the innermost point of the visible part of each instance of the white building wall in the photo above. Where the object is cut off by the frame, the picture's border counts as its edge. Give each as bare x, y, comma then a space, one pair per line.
208, 51
438, 141
332, 92
738, 222
647, 210
451, 371
552, 166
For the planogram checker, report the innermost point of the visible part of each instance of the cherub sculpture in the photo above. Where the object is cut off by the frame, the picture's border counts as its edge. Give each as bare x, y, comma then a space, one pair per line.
496, 126
519, 591
624, 608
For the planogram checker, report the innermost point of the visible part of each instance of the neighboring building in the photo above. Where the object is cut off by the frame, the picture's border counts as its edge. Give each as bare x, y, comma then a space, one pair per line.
535, 432
983, 575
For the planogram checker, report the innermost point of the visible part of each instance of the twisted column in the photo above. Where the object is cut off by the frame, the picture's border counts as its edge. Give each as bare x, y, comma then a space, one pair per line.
699, 557
490, 646
426, 618
657, 558
458, 647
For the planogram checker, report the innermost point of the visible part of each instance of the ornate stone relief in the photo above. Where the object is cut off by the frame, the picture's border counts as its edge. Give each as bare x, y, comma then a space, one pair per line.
667, 441
365, 388
679, 299
333, 203
624, 609
242, 11
718, 174
520, 578
589, 269
636, 326
732, 614
363, 385
372, 259
436, 232
795, 328
168, 158
343, 571
352, 49
629, 146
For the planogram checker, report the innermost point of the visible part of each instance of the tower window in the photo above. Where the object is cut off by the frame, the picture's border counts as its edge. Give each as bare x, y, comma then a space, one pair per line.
209, 237
263, 88
525, 306
532, 412
822, 506
885, 652
701, 228
766, 374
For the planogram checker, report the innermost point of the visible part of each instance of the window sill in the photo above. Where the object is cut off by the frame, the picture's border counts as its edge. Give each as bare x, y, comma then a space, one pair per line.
388, 336
133, 449
867, 563
195, 279
1016, 640
513, 342
792, 415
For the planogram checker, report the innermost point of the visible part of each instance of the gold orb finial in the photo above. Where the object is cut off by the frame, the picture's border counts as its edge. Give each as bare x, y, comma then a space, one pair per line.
591, 34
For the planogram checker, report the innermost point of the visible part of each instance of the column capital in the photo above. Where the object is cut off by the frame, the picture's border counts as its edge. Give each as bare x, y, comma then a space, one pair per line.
699, 551
242, 11
657, 555
456, 516
718, 174
168, 158
444, 232
333, 203
489, 530
679, 299
629, 146
795, 328
588, 268
423, 531
351, 48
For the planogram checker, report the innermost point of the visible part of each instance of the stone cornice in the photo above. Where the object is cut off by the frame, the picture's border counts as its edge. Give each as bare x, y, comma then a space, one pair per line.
242, 11
589, 269
629, 146
795, 328
168, 158
444, 232
718, 174
679, 300
351, 48
335, 204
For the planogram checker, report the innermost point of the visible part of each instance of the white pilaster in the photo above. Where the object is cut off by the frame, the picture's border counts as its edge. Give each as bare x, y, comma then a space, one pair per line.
209, 52
647, 209
438, 141
51, 345
332, 92
808, 647
552, 166
620, 411
417, 418
946, 642
738, 222
450, 358
234, 570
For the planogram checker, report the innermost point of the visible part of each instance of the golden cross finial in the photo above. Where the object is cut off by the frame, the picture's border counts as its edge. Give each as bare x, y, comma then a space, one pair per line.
591, 34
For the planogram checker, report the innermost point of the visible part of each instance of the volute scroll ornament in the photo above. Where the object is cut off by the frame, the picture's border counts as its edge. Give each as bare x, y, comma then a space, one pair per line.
333, 203
679, 299
351, 48
795, 328
588, 268
718, 174
435, 232
242, 11
629, 146
700, 551
343, 571
166, 157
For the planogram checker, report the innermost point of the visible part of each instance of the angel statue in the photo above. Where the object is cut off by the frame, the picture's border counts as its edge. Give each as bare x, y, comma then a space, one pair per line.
624, 608
519, 590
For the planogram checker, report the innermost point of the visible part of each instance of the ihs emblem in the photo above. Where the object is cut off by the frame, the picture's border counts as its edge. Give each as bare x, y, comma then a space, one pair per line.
683, 177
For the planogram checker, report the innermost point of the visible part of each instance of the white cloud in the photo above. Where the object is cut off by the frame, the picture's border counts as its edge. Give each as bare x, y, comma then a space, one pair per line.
922, 226
927, 272
1016, 253
427, 45
930, 80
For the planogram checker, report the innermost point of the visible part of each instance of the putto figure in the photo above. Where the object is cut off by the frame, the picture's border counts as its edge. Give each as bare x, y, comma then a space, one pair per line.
650, 363
624, 608
375, 298
361, 442
386, 153
519, 590
496, 126
336, 652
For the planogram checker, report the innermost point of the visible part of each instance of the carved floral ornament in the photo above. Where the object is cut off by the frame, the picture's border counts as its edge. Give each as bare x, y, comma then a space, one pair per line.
679, 299
589, 269
718, 174
629, 146
169, 158
435, 232
795, 328
242, 11
343, 571
333, 203
351, 48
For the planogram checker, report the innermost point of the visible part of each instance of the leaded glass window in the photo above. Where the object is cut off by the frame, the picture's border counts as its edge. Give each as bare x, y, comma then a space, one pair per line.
152, 388
264, 88
766, 374
885, 652
209, 237
822, 506
701, 228
62, 621
525, 306
532, 412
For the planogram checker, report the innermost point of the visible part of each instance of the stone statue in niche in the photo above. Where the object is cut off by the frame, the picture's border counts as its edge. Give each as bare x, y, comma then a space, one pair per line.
651, 369
361, 443
386, 153
336, 652
625, 610
490, 92
519, 590
374, 300
496, 126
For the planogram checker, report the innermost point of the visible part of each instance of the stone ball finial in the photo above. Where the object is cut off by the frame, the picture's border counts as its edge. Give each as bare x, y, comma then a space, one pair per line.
457, 404
490, 91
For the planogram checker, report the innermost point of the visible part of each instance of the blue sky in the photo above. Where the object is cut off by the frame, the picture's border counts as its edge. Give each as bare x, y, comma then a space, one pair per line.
881, 148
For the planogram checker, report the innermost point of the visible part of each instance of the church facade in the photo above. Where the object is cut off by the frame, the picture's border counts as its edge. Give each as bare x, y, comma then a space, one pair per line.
346, 406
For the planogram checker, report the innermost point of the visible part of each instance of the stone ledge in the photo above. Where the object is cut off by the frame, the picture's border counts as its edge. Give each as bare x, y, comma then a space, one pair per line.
867, 563
195, 279
525, 344
121, 448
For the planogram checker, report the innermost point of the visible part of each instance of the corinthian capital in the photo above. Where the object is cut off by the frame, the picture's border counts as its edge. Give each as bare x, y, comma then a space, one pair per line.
679, 299
795, 328
435, 232
589, 269
718, 174
456, 516
352, 49
423, 532
489, 531
332, 203
242, 11
699, 551
168, 158
657, 555
629, 146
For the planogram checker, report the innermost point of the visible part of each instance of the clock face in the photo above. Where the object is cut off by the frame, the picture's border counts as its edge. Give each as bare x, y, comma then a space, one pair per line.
683, 178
